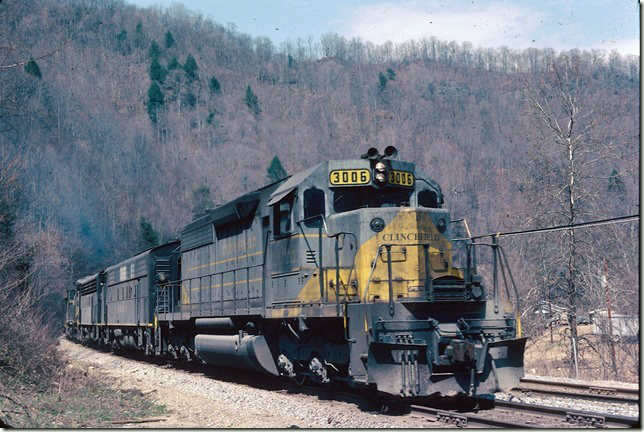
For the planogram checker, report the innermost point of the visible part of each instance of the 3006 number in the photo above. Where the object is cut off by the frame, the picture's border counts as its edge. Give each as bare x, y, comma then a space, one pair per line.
350, 177
401, 178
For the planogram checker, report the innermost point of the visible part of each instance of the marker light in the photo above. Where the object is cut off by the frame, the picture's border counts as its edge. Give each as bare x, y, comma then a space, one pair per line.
381, 167
381, 177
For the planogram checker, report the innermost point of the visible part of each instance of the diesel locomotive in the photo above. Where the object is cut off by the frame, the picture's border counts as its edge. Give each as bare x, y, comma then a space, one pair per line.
343, 273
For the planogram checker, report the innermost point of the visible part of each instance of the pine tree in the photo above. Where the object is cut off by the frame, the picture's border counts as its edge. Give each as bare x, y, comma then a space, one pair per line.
391, 74
201, 200
32, 68
382, 81
291, 61
215, 87
139, 36
149, 237
174, 64
122, 44
615, 182
276, 171
169, 39
190, 67
155, 50
155, 100
157, 71
252, 101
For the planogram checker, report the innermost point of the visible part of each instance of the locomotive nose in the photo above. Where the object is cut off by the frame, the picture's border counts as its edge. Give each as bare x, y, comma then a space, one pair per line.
400, 251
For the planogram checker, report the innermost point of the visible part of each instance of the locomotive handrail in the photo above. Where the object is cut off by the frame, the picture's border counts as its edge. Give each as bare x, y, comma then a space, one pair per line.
337, 258
428, 276
499, 260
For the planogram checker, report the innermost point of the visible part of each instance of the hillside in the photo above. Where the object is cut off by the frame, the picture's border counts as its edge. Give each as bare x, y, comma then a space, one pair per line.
130, 120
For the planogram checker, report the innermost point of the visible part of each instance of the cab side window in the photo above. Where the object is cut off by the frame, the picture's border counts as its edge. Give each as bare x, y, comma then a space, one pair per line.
313, 206
427, 198
282, 215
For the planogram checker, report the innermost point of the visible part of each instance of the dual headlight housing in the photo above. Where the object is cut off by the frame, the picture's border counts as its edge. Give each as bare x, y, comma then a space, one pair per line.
381, 172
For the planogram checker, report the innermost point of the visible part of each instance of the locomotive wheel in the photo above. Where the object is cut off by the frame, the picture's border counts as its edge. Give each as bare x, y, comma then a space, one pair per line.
300, 380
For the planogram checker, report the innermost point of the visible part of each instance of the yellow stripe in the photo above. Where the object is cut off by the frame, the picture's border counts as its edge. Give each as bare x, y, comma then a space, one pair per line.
227, 284
227, 260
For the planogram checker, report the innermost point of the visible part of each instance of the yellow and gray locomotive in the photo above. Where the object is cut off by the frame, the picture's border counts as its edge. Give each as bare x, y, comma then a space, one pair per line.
341, 273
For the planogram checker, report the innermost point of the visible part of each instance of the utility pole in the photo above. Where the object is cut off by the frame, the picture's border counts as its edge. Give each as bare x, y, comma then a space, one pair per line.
610, 320
550, 312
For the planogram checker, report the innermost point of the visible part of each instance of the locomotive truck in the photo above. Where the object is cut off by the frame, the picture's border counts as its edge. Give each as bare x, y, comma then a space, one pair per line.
342, 273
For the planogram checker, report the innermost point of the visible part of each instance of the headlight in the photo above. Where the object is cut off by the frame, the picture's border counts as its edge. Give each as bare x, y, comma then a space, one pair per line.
441, 225
161, 277
381, 177
377, 224
381, 167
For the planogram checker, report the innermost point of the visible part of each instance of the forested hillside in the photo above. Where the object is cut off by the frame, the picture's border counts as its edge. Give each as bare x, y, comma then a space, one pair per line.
117, 124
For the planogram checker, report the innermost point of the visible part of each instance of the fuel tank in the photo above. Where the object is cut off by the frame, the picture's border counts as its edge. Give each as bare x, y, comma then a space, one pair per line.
246, 352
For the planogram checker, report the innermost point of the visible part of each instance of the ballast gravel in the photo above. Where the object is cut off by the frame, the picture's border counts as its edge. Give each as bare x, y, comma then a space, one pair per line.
198, 400
574, 404
194, 400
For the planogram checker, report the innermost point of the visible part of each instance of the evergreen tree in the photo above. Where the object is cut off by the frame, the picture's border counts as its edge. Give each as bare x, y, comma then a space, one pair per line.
615, 182
149, 237
214, 85
201, 200
276, 171
155, 50
382, 81
169, 39
391, 74
252, 101
189, 100
155, 100
139, 36
190, 67
290, 61
174, 64
122, 35
122, 44
211, 117
32, 68
157, 71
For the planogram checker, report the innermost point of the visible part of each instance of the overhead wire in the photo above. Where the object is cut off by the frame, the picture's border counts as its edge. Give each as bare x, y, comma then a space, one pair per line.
615, 220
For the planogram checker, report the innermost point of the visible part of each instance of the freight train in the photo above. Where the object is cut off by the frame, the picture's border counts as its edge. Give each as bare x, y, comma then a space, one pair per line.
342, 273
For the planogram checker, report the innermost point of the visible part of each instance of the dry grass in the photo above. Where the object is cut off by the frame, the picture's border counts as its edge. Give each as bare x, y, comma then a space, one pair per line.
547, 358
75, 400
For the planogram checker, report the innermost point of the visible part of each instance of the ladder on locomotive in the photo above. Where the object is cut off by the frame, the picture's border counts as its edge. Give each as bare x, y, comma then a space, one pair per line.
163, 294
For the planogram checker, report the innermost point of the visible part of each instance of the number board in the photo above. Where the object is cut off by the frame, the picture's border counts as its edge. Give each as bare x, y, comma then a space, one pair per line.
349, 177
401, 178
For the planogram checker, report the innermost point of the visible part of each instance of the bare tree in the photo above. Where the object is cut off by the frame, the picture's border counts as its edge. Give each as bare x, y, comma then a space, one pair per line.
577, 143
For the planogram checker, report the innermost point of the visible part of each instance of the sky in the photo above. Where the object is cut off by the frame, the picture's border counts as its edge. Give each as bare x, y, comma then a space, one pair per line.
518, 24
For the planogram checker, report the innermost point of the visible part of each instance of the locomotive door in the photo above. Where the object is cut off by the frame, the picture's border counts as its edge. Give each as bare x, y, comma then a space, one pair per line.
285, 256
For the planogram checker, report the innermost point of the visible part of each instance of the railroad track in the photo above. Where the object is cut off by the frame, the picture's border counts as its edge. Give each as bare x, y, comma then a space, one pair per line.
577, 390
520, 415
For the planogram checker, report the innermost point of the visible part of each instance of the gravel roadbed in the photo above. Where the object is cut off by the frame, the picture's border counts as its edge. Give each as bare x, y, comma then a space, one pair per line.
618, 408
198, 401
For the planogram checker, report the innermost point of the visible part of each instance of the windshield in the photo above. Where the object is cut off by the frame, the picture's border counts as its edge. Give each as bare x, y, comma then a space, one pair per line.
352, 199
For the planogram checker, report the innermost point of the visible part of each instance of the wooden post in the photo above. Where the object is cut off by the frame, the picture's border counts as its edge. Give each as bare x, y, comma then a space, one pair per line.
610, 320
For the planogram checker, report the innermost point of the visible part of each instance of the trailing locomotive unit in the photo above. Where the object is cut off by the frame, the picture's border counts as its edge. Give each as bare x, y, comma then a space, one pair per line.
343, 272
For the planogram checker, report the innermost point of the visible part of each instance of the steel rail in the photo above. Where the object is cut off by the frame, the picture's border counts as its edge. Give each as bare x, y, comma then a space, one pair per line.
589, 387
568, 415
576, 394
460, 420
